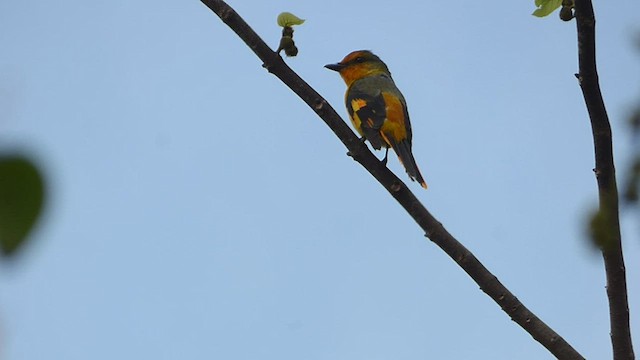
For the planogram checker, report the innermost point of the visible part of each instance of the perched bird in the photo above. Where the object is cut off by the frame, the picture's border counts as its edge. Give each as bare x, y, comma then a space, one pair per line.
377, 108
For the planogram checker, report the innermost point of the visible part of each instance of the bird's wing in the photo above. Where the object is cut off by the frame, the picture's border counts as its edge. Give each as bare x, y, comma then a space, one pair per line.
368, 112
397, 126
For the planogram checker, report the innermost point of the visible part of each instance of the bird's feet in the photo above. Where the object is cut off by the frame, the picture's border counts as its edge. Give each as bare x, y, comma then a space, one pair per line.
386, 157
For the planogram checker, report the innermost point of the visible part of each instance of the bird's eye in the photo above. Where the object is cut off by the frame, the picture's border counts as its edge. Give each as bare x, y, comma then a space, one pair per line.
359, 59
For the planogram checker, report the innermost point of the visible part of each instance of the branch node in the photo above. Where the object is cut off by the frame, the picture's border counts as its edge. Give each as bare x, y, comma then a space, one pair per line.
430, 233
396, 186
225, 13
268, 66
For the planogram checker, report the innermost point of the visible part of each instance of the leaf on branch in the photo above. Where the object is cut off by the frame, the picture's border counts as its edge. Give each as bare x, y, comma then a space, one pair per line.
546, 7
600, 225
287, 19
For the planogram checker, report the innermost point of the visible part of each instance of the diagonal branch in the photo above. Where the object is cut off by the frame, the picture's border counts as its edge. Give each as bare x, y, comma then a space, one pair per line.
488, 282
606, 176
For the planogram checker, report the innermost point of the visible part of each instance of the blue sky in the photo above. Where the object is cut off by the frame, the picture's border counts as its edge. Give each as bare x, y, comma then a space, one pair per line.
198, 209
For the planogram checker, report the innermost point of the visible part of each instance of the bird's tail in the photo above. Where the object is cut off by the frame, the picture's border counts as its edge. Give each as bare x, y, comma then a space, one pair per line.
403, 150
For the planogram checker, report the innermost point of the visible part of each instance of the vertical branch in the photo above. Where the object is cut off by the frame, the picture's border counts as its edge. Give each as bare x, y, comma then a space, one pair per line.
606, 177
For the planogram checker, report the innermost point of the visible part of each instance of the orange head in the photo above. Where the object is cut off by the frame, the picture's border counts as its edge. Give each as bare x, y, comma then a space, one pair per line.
359, 64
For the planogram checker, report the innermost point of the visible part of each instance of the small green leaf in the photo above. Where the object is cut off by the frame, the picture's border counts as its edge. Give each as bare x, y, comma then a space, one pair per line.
546, 7
602, 229
288, 19
21, 198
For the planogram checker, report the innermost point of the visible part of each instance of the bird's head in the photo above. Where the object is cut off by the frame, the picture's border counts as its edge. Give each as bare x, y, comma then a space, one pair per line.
359, 64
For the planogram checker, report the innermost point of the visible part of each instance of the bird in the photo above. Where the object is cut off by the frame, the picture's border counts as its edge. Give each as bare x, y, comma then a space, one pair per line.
377, 108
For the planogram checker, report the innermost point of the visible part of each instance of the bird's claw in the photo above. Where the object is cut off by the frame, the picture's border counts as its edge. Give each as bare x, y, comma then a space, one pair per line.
386, 157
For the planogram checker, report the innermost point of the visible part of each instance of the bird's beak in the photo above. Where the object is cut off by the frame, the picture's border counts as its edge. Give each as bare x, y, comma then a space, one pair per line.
335, 67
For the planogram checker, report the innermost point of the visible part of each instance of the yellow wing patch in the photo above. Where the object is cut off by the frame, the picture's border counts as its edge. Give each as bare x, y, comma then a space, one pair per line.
357, 104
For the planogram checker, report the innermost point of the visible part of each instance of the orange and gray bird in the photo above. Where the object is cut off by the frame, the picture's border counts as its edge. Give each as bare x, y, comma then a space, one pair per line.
377, 108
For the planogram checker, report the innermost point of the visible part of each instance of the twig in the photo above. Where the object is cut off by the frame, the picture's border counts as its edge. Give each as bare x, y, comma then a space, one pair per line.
434, 230
606, 176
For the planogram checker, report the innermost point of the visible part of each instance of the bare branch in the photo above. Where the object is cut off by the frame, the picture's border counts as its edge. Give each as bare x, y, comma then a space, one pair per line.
488, 282
606, 176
